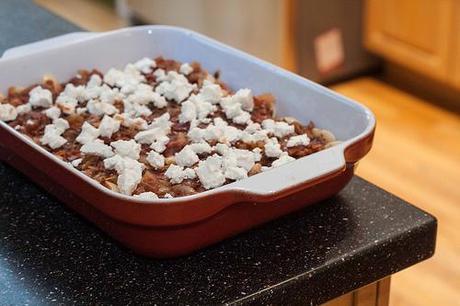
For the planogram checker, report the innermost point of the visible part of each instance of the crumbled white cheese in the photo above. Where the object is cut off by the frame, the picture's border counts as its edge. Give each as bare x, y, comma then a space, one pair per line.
176, 87
268, 124
282, 160
203, 108
162, 123
272, 148
252, 128
260, 135
112, 162
94, 92
145, 65
244, 97
156, 160
160, 75
168, 196
219, 131
174, 173
8, 112
257, 154
40, 97
23, 108
177, 174
94, 81
222, 148
210, 172
76, 162
53, 112
98, 108
52, 139
69, 98
146, 196
279, 129
283, 129
234, 105
299, 140
235, 173
212, 132
136, 110
242, 118
200, 148
210, 92
52, 136
189, 173
188, 112
231, 108
98, 148
144, 94
230, 134
127, 148
66, 103
186, 157
61, 125
127, 121
76, 92
88, 133
108, 95
129, 172
186, 69
239, 158
129, 175
196, 134
108, 126
126, 80
158, 100
159, 128
148, 136
195, 108
129, 87
159, 145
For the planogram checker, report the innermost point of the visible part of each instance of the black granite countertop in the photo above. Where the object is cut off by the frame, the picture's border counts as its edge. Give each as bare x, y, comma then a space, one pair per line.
49, 255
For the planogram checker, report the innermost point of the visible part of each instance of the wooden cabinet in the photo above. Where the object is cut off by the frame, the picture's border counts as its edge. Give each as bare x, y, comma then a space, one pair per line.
375, 294
456, 66
423, 35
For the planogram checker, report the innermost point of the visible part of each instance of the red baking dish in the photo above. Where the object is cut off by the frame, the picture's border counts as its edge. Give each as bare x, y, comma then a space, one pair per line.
178, 226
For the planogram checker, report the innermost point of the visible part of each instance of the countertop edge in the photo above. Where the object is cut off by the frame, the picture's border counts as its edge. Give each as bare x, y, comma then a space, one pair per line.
424, 233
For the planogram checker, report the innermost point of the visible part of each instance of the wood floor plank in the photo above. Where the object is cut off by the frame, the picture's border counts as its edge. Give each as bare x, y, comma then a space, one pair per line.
416, 155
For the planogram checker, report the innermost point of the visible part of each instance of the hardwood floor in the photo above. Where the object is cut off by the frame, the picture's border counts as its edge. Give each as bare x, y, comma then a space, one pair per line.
416, 155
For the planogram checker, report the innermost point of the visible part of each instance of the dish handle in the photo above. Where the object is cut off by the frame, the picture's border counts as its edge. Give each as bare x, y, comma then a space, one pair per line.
45, 44
291, 177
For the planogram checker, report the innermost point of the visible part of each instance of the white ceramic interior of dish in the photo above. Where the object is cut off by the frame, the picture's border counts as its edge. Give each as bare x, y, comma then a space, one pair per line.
296, 96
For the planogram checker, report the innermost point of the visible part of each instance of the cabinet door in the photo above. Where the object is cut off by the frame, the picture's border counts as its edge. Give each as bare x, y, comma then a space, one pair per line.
456, 49
414, 33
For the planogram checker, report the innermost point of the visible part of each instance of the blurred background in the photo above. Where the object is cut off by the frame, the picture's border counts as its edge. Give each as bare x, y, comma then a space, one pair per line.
401, 58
